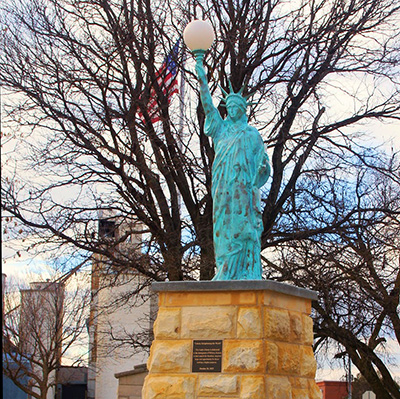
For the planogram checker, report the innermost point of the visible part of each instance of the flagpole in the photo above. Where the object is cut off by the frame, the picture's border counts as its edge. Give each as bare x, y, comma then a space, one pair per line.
182, 101
181, 114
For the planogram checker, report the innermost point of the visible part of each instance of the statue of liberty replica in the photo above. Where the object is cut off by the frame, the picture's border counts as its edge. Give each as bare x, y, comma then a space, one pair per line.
241, 167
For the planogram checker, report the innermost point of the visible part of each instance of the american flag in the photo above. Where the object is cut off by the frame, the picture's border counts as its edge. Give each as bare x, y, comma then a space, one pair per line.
167, 82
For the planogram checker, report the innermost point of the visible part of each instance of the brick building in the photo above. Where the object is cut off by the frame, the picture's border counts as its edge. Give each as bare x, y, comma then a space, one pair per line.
333, 389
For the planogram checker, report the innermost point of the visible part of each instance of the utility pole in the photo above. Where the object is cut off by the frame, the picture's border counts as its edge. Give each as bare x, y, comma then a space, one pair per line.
0, 112
349, 380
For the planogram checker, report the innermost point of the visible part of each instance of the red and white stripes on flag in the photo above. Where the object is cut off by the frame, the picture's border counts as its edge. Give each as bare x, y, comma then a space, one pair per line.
167, 82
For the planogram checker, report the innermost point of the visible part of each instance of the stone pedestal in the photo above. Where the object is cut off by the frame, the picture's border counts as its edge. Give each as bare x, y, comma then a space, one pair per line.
266, 335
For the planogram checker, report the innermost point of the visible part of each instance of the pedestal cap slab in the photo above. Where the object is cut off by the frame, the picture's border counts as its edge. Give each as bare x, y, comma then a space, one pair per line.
234, 285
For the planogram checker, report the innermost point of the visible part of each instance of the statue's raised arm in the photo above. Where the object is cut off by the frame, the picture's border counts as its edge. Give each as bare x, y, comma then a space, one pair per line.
240, 168
205, 95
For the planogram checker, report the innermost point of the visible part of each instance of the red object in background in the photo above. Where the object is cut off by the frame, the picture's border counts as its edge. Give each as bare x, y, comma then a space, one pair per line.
333, 389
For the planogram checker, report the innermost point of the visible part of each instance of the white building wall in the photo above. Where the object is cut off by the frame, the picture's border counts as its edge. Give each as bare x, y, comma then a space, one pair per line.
41, 323
114, 322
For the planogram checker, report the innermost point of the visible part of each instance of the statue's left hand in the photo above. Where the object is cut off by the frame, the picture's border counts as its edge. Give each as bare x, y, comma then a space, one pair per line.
201, 73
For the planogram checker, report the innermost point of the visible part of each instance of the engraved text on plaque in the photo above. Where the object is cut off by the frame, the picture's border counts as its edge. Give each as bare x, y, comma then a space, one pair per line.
207, 356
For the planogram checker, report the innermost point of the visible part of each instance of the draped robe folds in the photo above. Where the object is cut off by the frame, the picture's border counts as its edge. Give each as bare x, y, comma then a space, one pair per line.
240, 168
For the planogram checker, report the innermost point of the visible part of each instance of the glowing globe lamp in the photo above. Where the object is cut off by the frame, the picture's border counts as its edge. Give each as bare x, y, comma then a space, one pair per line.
198, 35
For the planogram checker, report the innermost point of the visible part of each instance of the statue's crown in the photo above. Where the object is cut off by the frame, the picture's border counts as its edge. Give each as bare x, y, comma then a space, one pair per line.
237, 97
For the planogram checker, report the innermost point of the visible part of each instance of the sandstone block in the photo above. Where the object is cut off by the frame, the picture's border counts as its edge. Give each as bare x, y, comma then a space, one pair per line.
313, 389
169, 387
170, 356
296, 327
300, 393
242, 356
277, 324
252, 387
244, 298
271, 357
167, 324
197, 298
278, 387
308, 334
216, 322
308, 362
249, 323
289, 359
217, 385
279, 300
298, 382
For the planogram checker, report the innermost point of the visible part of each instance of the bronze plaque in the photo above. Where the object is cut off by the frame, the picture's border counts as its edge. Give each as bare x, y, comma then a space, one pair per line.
207, 356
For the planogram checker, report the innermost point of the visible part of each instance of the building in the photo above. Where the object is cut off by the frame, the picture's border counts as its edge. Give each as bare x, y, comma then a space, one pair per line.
32, 337
72, 383
11, 391
333, 389
41, 325
130, 383
41, 318
120, 323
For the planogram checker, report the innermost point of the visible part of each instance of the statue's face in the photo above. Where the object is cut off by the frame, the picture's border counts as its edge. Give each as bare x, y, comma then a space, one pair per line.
235, 110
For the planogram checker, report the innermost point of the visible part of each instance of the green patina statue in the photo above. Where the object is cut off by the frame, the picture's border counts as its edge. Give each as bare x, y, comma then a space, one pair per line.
240, 168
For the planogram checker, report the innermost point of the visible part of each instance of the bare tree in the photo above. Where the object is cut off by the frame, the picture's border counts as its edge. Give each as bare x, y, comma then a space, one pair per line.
355, 270
39, 329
